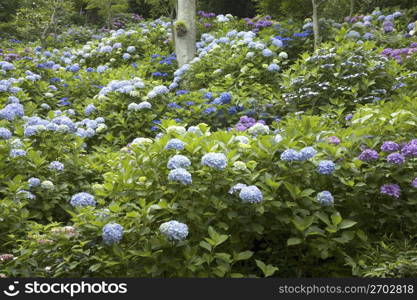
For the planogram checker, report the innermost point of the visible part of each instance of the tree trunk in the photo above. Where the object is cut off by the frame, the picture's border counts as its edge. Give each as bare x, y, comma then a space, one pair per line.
172, 24
185, 44
109, 15
316, 25
352, 8
45, 32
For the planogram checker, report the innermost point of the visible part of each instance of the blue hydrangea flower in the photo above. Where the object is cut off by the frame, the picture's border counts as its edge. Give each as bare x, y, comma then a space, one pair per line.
56, 166
175, 144
326, 167
144, 105
90, 109
178, 161
290, 155
5, 133
174, 230
215, 160
237, 188
34, 182
131, 49
180, 175
250, 194
82, 199
267, 53
307, 153
112, 233
17, 153
325, 198
26, 194
273, 68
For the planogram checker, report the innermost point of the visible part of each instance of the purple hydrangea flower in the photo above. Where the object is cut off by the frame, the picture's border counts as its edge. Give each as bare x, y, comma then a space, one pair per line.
368, 155
390, 146
392, 190
395, 158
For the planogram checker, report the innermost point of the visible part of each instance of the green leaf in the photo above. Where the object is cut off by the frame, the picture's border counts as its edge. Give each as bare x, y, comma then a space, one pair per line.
336, 218
268, 270
294, 241
347, 224
243, 255
205, 245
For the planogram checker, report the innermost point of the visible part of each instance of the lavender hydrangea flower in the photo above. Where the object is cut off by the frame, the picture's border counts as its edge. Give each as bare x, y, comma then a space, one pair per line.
392, 190
214, 160
326, 167
178, 161
174, 230
414, 183
180, 175
112, 233
333, 140
390, 147
410, 149
395, 158
368, 155
250, 194
325, 198
56, 166
82, 199
175, 144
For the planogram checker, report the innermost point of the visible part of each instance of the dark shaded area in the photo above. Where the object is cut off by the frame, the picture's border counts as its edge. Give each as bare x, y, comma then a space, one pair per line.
240, 8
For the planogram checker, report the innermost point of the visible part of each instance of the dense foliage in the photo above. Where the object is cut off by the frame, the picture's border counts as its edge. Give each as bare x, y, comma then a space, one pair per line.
261, 157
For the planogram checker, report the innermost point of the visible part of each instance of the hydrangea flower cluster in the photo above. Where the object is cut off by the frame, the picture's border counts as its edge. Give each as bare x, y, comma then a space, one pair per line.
246, 122
259, 128
5, 133
392, 190
326, 167
141, 106
368, 155
175, 144
34, 182
82, 199
250, 194
56, 166
180, 175
410, 149
395, 158
214, 160
122, 86
325, 198
390, 147
178, 161
174, 230
112, 233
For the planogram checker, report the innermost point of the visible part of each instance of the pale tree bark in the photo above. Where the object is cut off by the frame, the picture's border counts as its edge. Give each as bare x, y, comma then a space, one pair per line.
48, 26
185, 47
315, 24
